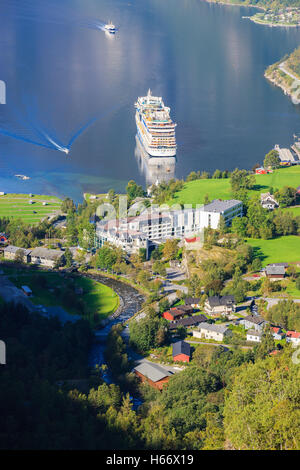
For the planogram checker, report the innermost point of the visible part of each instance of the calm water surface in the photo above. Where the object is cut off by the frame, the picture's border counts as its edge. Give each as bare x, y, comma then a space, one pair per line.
71, 85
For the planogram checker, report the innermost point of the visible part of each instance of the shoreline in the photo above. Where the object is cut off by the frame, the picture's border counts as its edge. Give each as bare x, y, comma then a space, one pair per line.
252, 18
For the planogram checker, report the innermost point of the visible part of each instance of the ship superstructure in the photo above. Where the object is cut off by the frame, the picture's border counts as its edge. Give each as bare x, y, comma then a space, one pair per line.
155, 128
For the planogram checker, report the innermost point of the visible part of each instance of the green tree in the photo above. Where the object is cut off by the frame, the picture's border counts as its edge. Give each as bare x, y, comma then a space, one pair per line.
272, 159
261, 409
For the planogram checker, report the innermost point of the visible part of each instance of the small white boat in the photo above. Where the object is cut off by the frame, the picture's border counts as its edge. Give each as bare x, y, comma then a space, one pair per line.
22, 177
110, 28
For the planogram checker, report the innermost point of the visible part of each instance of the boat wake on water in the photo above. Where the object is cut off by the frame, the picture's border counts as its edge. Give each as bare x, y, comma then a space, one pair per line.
99, 25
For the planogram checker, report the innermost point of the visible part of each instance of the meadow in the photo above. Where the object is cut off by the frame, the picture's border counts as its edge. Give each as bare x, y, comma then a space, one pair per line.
277, 250
194, 191
51, 289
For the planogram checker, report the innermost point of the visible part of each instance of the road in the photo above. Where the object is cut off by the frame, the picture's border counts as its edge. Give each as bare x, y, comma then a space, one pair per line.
287, 72
274, 301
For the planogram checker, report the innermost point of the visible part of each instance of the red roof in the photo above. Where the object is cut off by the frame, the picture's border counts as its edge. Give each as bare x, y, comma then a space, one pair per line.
293, 334
276, 329
273, 353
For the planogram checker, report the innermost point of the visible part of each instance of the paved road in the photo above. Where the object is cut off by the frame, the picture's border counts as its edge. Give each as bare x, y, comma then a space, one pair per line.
274, 301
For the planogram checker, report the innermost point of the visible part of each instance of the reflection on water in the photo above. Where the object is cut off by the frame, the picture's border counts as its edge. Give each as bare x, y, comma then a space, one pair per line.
154, 169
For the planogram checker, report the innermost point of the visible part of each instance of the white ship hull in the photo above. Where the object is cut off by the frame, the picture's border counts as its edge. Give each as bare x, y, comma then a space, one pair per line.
144, 136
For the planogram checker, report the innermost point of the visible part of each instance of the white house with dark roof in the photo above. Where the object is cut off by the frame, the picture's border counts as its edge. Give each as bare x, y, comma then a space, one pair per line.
217, 305
268, 201
255, 322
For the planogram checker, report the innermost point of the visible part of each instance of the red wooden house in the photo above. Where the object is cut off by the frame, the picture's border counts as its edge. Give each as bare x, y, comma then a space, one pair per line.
181, 351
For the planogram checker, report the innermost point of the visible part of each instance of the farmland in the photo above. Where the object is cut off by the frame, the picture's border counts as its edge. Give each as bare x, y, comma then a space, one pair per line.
18, 206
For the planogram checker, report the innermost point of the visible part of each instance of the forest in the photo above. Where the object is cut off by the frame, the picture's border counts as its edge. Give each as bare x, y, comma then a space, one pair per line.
229, 399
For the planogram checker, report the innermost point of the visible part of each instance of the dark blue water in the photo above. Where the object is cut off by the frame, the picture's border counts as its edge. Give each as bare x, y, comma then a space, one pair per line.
69, 85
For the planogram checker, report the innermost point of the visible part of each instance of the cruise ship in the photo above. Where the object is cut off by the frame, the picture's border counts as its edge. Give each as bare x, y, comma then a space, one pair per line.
155, 128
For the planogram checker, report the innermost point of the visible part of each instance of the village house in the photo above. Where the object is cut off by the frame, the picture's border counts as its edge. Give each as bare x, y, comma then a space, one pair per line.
277, 332
187, 322
193, 301
268, 202
216, 305
3, 239
293, 337
176, 313
12, 252
211, 331
273, 271
46, 257
254, 335
181, 351
255, 322
153, 374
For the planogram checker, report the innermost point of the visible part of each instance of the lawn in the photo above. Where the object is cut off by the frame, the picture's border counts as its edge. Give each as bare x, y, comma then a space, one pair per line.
96, 302
277, 250
194, 191
17, 206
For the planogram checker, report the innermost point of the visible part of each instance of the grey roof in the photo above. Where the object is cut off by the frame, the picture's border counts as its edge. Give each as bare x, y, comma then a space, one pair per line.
279, 264
217, 301
46, 253
213, 327
13, 249
152, 371
273, 270
256, 319
217, 205
192, 300
254, 333
190, 321
181, 347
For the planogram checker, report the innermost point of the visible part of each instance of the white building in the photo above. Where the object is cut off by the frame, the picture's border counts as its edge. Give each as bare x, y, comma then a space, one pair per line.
212, 213
158, 225
254, 336
211, 331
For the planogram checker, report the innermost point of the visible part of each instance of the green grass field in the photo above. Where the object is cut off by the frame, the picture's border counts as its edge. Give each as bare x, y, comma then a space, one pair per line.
277, 250
98, 299
294, 210
17, 206
194, 191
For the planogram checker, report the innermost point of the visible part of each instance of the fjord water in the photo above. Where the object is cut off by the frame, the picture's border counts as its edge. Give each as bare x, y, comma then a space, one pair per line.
70, 84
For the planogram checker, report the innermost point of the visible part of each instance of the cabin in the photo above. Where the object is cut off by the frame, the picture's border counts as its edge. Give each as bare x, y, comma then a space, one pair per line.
181, 351
153, 374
